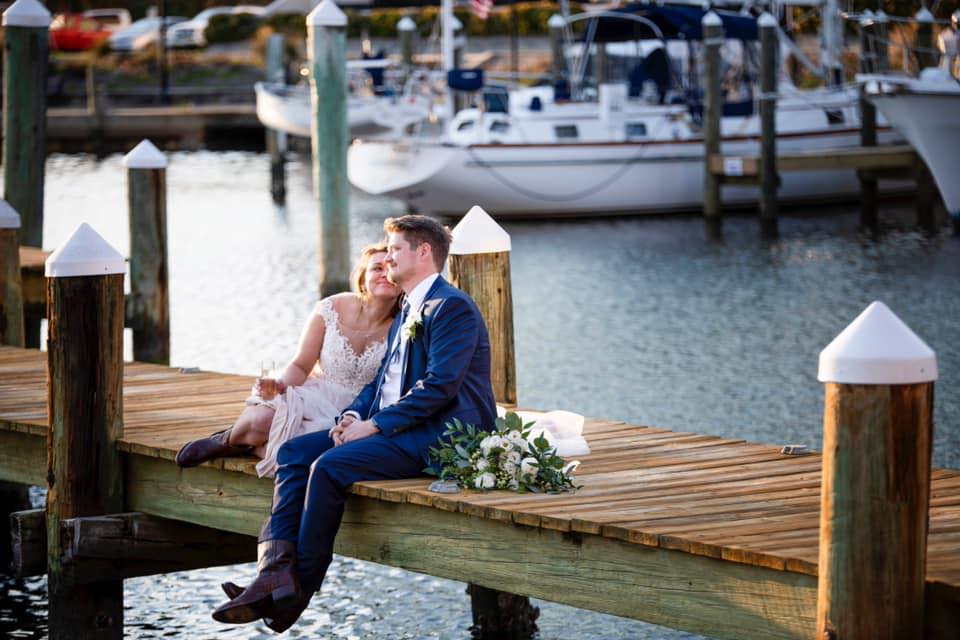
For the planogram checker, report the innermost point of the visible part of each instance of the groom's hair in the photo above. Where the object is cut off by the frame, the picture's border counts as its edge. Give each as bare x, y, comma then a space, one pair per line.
419, 229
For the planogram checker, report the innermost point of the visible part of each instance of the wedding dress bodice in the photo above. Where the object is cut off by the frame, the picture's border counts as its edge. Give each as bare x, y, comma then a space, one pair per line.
338, 360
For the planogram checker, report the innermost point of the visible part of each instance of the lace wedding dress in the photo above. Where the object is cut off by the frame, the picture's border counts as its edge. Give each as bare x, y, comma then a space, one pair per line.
338, 377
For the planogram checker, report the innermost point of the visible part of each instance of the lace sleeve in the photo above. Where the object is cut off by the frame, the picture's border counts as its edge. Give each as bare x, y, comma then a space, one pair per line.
325, 310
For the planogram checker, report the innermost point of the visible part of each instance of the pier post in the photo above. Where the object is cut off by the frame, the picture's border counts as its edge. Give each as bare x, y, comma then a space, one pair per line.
276, 140
875, 492
769, 44
926, 55
881, 43
926, 197
327, 47
480, 266
11, 287
85, 403
867, 42
558, 63
406, 32
26, 32
148, 308
712, 111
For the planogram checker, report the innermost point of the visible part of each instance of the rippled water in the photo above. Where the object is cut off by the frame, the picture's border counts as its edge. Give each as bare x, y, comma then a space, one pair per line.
635, 319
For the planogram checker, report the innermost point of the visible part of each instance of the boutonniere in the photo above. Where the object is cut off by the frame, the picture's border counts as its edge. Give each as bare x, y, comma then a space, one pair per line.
410, 326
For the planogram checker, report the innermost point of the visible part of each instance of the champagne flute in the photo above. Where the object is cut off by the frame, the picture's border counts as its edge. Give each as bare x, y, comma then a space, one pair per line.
268, 381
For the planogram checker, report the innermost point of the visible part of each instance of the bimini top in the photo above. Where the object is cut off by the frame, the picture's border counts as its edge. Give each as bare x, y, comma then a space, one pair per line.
675, 22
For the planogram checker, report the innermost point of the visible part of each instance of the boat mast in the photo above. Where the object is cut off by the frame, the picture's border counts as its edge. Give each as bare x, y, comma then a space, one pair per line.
446, 51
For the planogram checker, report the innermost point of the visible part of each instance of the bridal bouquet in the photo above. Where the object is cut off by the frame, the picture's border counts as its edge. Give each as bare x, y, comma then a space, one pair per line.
507, 458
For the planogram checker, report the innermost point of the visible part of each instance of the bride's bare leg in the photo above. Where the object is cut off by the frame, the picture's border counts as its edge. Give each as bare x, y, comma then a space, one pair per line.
252, 427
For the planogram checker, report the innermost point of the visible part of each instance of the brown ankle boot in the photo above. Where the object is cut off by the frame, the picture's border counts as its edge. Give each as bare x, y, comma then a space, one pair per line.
276, 583
213, 446
282, 616
232, 589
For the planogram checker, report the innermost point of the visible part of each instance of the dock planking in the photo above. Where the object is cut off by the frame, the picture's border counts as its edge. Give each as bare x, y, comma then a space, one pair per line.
713, 535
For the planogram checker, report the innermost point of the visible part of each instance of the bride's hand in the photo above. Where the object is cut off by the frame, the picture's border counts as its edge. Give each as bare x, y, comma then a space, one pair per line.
256, 388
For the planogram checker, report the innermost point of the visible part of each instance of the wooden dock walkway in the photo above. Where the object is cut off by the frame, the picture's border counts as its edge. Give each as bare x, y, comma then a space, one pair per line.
712, 535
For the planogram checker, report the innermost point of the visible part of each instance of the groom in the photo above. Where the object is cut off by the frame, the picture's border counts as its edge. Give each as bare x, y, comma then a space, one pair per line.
436, 368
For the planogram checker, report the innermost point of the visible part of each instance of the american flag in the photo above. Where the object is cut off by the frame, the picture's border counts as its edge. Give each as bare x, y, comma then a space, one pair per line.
481, 8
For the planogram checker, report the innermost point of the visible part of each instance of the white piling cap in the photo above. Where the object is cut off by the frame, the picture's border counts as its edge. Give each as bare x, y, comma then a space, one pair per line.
881, 17
145, 156
455, 23
327, 14
85, 253
477, 232
766, 20
556, 21
711, 19
923, 15
866, 17
26, 13
877, 348
9, 218
406, 24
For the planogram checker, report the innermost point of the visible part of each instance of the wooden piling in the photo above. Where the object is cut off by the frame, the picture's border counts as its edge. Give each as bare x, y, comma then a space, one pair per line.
406, 32
926, 55
926, 197
867, 42
712, 110
327, 47
769, 44
148, 307
276, 140
875, 492
84, 402
558, 63
26, 34
11, 287
881, 41
480, 266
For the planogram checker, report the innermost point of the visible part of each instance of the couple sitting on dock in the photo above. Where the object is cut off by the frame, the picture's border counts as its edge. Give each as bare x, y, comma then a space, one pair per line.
369, 391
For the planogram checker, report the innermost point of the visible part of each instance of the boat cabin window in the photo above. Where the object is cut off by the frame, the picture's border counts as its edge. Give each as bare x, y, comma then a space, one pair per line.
566, 132
465, 125
499, 126
636, 130
834, 116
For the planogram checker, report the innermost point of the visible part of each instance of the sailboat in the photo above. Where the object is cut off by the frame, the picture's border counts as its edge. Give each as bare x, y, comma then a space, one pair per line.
635, 148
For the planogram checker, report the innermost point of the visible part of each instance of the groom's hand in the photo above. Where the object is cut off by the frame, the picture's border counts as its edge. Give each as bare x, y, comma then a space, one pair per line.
354, 430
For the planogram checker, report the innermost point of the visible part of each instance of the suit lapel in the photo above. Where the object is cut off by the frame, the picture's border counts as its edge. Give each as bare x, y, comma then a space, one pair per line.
405, 384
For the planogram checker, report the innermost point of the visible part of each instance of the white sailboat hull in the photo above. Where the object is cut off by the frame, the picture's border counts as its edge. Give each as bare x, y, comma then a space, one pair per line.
578, 179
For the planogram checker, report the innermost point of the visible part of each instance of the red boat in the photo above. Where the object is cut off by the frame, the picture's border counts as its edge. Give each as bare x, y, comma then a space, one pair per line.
83, 31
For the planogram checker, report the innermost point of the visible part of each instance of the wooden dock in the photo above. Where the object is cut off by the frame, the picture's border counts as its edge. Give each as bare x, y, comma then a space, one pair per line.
711, 535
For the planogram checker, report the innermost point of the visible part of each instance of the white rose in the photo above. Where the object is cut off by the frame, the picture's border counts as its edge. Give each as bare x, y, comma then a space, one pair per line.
510, 469
485, 481
516, 438
529, 466
514, 457
482, 464
490, 442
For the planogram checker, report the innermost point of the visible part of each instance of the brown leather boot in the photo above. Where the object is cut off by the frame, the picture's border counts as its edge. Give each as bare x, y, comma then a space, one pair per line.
276, 582
213, 446
232, 589
282, 616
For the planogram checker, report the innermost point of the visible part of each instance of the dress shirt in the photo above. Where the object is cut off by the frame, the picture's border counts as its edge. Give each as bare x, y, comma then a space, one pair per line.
393, 376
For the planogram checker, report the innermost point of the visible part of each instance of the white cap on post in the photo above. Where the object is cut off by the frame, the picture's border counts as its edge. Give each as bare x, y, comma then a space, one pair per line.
923, 15
406, 24
877, 348
711, 19
327, 14
455, 23
26, 13
9, 218
145, 156
766, 21
477, 232
85, 253
556, 21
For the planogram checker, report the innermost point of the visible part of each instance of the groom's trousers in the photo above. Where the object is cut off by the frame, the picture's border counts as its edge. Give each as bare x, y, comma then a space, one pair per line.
310, 488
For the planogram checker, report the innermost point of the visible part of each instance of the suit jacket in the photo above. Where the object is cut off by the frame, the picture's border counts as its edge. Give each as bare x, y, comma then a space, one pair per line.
446, 374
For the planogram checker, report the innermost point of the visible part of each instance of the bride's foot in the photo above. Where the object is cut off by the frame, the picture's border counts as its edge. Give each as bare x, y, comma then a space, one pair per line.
209, 448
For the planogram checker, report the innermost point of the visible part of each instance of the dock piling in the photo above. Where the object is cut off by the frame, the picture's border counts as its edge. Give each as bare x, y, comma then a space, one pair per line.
558, 62
769, 44
85, 403
148, 308
406, 32
276, 141
26, 32
712, 110
927, 56
327, 47
480, 266
11, 287
875, 492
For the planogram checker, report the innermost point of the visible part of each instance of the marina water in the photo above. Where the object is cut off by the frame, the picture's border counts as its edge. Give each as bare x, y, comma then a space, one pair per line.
639, 320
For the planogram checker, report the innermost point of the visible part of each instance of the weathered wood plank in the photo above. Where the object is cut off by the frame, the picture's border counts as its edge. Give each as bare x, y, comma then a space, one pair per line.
28, 542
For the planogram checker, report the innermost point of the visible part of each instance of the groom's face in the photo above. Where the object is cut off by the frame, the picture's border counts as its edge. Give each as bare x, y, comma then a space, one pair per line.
401, 259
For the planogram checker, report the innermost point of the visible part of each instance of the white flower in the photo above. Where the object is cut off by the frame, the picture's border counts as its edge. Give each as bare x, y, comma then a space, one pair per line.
490, 442
571, 467
528, 466
510, 468
513, 457
516, 438
413, 322
482, 464
485, 481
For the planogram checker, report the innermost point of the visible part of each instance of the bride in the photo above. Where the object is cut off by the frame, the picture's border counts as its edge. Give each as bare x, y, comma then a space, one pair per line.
340, 349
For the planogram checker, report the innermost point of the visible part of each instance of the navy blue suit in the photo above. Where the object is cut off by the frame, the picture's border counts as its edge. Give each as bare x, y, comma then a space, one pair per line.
446, 375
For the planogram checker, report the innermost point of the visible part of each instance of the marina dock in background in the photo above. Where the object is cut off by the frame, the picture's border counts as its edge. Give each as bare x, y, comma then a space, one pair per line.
711, 535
